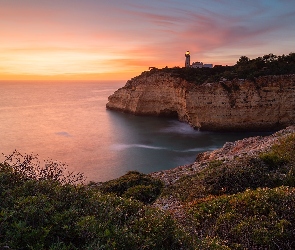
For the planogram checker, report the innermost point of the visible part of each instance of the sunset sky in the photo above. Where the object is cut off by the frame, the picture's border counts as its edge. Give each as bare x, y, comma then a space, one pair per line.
118, 39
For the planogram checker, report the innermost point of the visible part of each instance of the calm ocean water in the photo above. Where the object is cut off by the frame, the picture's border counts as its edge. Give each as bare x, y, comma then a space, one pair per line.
68, 122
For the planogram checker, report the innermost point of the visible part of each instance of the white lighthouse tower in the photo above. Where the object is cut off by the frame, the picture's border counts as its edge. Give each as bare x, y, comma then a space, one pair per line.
187, 59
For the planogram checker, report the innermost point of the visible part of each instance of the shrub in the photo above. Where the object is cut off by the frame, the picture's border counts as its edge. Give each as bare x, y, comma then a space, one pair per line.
28, 167
281, 153
272, 160
50, 213
143, 193
254, 219
134, 185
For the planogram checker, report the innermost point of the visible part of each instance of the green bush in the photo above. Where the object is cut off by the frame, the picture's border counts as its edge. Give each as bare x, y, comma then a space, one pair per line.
143, 193
272, 160
254, 219
281, 153
49, 213
134, 185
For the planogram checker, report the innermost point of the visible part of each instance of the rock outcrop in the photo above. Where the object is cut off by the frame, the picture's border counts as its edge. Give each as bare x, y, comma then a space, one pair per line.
267, 103
247, 147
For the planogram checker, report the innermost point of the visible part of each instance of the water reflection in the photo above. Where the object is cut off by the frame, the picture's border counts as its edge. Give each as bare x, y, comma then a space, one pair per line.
68, 122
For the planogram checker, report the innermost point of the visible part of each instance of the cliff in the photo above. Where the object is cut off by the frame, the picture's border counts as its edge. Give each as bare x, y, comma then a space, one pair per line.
266, 103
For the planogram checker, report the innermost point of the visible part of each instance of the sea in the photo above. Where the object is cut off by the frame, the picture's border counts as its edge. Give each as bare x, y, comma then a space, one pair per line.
67, 122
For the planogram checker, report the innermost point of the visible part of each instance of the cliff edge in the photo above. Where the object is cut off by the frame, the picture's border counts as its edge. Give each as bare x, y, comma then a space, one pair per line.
266, 103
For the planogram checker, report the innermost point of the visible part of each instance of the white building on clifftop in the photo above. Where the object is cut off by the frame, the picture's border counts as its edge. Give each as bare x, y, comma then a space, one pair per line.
201, 65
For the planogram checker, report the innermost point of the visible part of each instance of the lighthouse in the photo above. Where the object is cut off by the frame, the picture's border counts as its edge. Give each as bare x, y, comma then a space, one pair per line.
187, 59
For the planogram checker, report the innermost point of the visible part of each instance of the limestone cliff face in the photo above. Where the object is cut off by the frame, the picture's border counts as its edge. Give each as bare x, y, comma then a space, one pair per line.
267, 103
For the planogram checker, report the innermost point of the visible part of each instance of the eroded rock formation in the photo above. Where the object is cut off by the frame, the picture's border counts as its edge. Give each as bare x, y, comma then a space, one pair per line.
264, 104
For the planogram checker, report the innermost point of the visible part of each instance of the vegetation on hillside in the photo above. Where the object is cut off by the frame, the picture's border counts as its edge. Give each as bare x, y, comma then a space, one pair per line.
270, 169
54, 212
245, 68
246, 203
255, 219
134, 185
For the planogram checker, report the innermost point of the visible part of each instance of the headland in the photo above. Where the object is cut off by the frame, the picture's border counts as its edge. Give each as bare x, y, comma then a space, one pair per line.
265, 103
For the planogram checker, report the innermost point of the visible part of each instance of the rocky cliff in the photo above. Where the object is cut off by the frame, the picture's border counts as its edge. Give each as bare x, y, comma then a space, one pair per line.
266, 103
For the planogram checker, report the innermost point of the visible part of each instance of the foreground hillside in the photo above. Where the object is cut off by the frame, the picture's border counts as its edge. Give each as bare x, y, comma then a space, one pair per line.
241, 196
